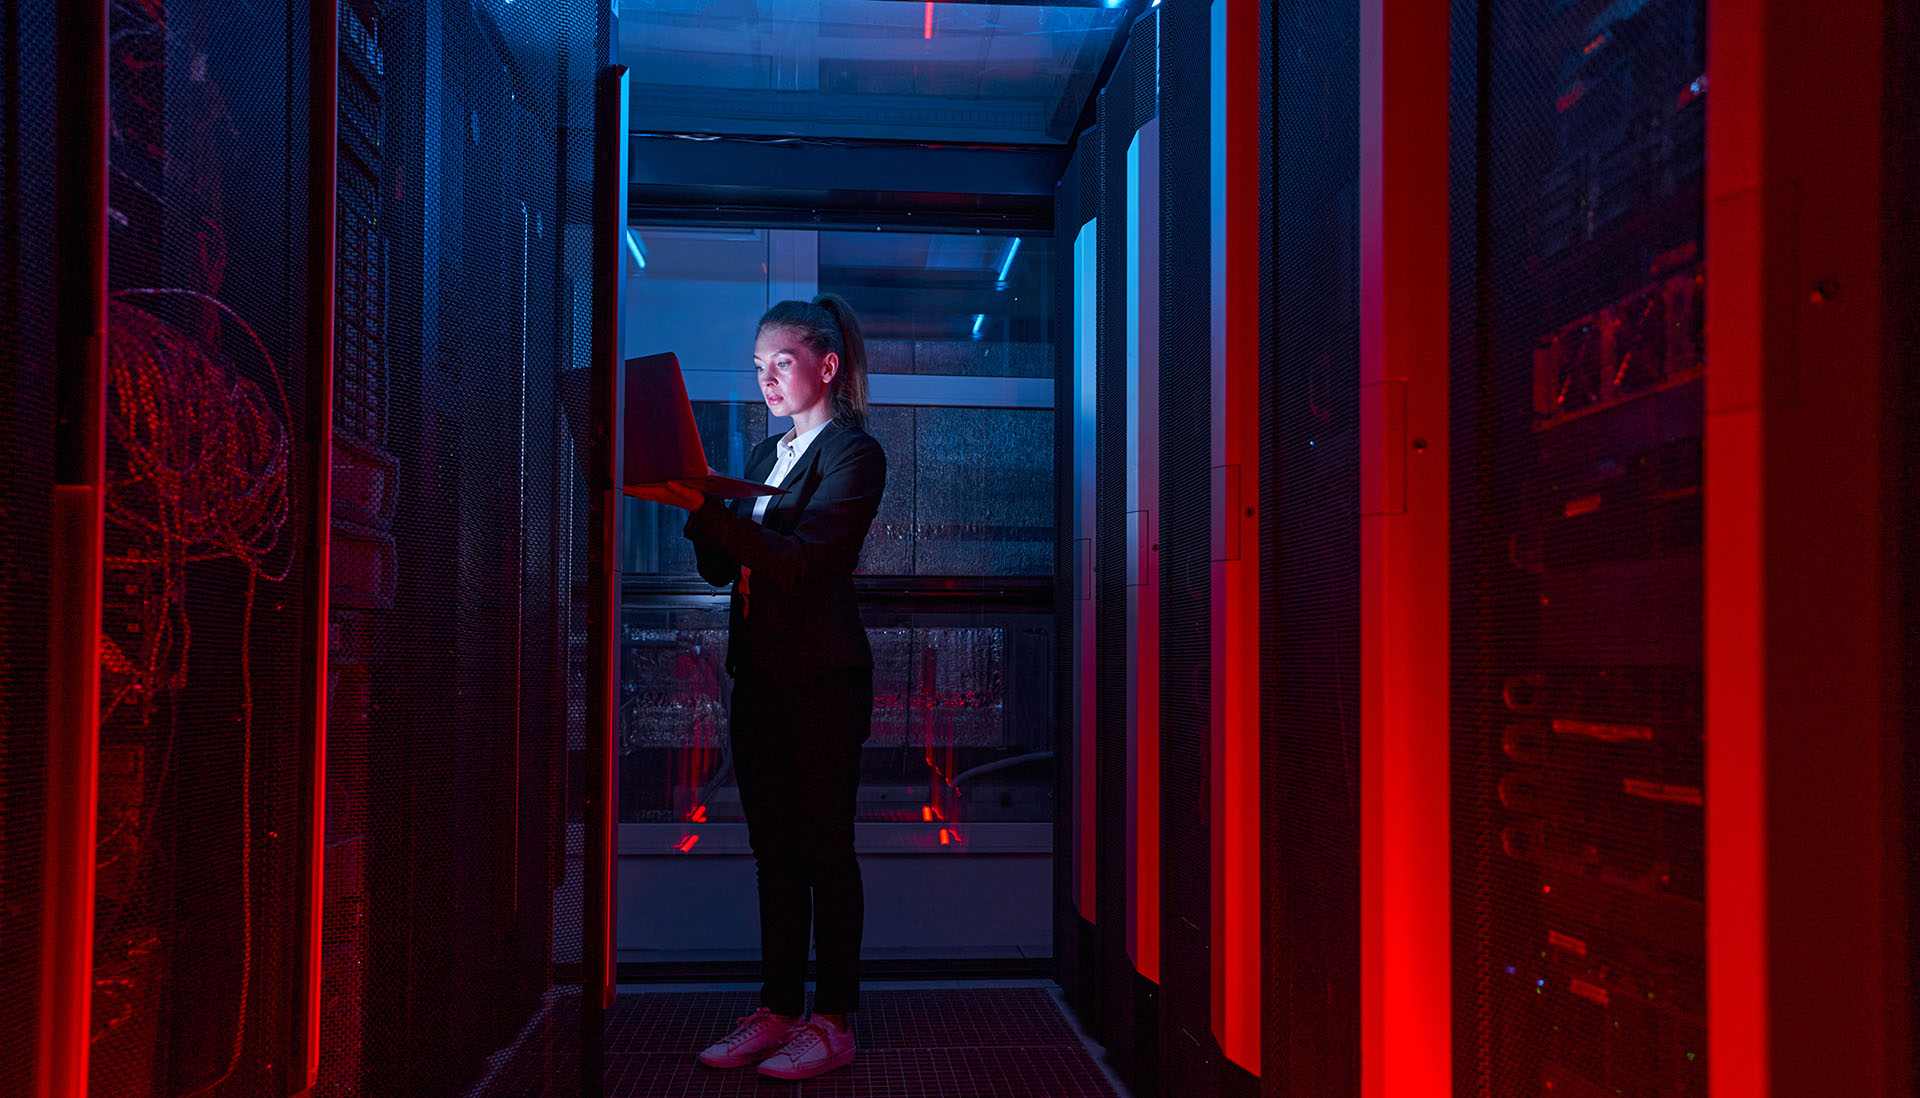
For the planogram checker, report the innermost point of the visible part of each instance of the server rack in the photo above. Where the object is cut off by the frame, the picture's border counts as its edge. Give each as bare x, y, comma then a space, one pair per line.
237, 912
1578, 362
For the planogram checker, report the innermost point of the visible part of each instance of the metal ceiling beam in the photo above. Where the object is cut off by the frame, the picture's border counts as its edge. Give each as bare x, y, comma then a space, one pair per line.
792, 182
1017, 3
754, 166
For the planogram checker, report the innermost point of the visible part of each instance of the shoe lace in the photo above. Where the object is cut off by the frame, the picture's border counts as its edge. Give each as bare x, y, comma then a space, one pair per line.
809, 1035
749, 1024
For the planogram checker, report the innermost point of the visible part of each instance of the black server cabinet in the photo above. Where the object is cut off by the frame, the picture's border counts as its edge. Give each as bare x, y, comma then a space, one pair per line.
1577, 364
1127, 1015
1310, 537
1189, 1052
458, 521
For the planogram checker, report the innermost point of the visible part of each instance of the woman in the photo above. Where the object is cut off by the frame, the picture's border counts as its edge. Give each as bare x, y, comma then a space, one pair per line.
803, 676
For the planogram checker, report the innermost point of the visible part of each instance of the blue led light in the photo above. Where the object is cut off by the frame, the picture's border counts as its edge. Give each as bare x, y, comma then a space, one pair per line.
1006, 264
634, 249
979, 323
1509, 970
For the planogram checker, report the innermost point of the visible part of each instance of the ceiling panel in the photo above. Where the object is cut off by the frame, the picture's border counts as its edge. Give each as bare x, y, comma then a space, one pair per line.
864, 69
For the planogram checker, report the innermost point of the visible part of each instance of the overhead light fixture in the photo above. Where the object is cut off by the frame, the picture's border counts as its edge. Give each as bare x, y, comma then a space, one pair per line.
1006, 265
637, 250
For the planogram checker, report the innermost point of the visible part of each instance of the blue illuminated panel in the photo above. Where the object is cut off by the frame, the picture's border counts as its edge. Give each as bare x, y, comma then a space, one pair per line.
1143, 581
1085, 269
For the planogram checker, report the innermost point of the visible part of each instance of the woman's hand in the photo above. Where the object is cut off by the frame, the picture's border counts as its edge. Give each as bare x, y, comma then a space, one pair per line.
672, 493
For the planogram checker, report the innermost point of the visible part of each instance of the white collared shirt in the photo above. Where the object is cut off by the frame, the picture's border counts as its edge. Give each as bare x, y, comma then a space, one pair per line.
791, 447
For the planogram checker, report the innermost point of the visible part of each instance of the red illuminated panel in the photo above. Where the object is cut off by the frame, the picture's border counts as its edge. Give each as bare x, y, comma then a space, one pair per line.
1798, 611
1235, 720
1404, 940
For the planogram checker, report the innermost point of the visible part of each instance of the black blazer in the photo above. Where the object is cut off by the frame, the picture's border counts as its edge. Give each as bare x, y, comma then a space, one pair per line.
803, 618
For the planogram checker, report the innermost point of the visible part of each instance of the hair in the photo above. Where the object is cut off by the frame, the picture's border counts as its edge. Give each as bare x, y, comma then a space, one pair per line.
827, 326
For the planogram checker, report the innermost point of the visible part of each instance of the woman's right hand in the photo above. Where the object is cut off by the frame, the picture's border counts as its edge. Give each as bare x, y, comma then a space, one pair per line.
673, 493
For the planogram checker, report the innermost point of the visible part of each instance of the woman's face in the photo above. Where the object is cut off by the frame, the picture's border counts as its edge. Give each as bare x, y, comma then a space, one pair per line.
793, 379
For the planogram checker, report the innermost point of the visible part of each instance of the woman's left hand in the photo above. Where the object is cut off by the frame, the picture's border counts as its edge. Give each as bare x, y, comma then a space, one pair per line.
673, 493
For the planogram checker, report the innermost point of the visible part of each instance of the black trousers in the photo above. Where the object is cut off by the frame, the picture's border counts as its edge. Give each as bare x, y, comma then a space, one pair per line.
796, 755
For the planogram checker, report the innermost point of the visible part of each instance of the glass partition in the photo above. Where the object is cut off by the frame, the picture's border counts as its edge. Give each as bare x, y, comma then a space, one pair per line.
961, 716
959, 330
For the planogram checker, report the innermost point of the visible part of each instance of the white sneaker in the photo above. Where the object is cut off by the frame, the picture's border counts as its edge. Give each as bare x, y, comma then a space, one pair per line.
754, 1038
817, 1047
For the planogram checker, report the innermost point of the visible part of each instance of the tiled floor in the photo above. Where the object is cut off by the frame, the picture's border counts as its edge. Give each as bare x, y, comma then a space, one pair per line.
915, 1042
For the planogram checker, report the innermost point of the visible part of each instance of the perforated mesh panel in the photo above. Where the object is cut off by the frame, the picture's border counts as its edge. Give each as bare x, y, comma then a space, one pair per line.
457, 521
26, 452
197, 961
1190, 1055
1309, 508
1577, 784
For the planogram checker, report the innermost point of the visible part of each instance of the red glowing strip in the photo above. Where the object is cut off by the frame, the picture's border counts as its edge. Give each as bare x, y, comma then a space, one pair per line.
1405, 1029
926, 813
1739, 957
698, 815
929, 30
945, 836
1567, 942
1086, 789
686, 843
1588, 991
1571, 96
1598, 41
323, 102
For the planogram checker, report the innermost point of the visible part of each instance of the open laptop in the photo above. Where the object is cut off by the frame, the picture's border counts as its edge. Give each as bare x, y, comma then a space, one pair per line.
662, 441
